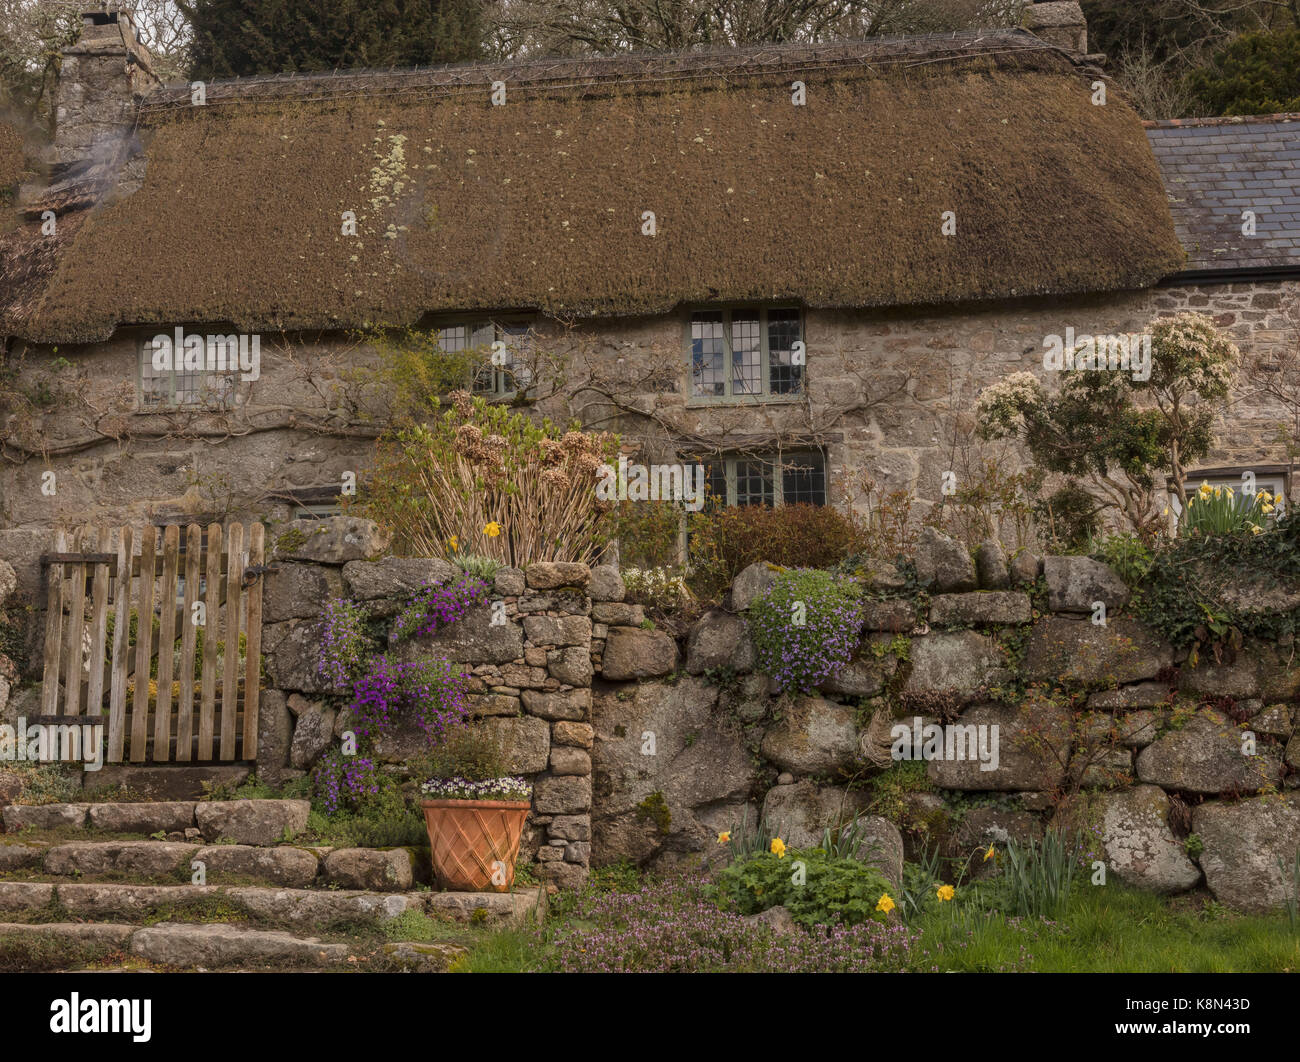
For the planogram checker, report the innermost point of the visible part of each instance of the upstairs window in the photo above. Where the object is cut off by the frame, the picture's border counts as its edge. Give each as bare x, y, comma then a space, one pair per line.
745, 353
181, 388
767, 479
502, 371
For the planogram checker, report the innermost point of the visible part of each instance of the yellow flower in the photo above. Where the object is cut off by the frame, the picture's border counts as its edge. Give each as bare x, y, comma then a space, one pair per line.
1227, 491
1255, 529
724, 837
945, 892
492, 530
989, 854
454, 543
885, 903
1205, 489
1166, 510
778, 847
1266, 508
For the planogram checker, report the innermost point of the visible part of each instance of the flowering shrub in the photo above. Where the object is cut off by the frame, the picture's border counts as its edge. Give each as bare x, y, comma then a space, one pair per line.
805, 627
341, 782
835, 891
512, 788
671, 926
345, 647
433, 607
429, 692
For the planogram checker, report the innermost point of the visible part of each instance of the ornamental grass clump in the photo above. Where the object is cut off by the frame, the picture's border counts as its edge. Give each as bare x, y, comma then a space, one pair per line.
805, 627
486, 480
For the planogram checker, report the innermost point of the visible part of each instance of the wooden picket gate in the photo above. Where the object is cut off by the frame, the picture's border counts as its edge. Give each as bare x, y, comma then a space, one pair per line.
201, 594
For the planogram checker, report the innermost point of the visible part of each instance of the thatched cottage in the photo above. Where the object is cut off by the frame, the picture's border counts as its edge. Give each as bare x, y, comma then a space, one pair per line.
800, 264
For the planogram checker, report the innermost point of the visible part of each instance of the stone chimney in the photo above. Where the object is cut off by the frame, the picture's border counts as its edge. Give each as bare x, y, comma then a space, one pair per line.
103, 76
1060, 23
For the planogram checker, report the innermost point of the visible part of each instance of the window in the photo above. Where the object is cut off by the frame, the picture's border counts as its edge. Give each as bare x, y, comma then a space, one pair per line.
188, 388
1272, 478
745, 353
790, 479
322, 511
505, 370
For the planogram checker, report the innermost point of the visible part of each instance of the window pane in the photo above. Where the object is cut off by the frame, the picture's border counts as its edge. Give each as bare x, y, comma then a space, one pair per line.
746, 354
515, 373
783, 331
454, 339
753, 482
707, 348
715, 483
803, 479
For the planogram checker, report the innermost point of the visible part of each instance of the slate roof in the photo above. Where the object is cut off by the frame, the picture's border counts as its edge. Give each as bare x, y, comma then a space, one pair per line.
1216, 168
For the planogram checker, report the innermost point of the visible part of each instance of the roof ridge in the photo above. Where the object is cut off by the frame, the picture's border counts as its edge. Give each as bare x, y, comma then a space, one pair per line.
1229, 119
630, 67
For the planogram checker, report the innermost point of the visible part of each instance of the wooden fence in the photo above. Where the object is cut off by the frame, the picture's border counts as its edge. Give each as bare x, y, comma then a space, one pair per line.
200, 598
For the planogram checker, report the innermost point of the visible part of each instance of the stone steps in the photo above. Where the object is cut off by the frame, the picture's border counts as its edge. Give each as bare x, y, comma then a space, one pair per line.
257, 822
172, 862
296, 907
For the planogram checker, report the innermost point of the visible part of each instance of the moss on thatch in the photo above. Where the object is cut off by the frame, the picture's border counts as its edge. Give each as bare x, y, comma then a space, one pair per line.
538, 204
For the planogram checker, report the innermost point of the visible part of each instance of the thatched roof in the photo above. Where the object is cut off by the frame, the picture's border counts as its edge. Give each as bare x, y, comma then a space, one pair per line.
462, 205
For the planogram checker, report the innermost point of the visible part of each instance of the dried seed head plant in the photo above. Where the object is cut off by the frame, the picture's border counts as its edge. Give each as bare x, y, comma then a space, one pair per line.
485, 479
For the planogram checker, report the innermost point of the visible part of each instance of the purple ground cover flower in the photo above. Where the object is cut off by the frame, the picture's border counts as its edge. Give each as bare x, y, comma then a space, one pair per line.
434, 607
806, 626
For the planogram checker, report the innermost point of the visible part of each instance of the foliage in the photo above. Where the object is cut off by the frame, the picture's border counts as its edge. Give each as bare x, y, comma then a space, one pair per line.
834, 890
649, 533
1037, 877
1258, 73
744, 841
805, 627
477, 565
436, 606
723, 542
1222, 511
239, 38
1126, 553
341, 783
1068, 518
484, 479
472, 753
345, 644
659, 588
1116, 431
1201, 591
992, 503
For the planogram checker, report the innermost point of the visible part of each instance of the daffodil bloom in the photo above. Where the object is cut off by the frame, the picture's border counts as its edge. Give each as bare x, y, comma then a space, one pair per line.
1206, 490
492, 530
454, 543
1166, 510
885, 903
778, 847
945, 893
1266, 509
724, 837
1255, 529
989, 854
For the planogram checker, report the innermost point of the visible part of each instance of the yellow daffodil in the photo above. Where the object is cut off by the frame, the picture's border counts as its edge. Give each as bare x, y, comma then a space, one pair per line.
1206, 491
885, 903
492, 530
1266, 508
778, 847
1255, 529
724, 837
454, 543
945, 893
989, 854
1166, 510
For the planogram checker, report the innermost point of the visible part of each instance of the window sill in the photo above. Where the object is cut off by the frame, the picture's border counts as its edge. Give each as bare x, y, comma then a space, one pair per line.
697, 402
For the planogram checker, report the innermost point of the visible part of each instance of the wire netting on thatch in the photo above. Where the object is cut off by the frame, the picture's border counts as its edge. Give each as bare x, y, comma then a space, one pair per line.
461, 205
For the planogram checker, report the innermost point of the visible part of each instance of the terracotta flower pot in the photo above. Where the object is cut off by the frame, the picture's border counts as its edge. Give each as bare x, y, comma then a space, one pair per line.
475, 841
